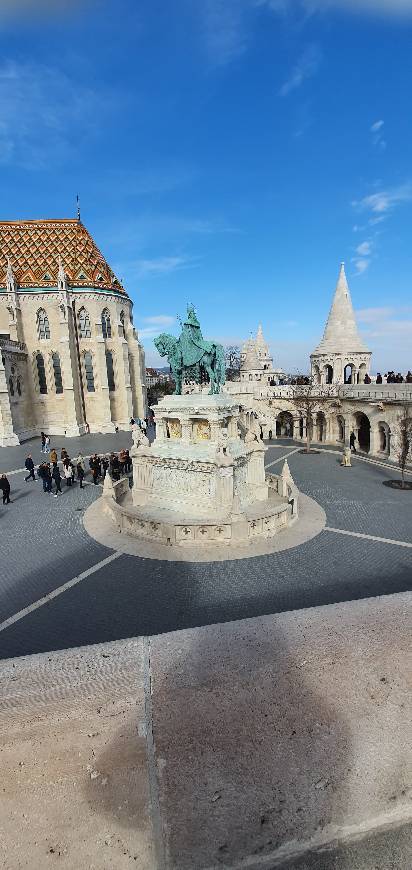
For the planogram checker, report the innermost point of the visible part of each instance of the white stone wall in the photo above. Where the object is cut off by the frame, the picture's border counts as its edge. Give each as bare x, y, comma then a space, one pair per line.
76, 409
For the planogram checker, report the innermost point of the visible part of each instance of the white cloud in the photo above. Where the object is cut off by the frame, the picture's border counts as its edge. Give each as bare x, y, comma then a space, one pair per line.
361, 265
162, 265
364, 249
376, 7
306, 67
384, 201
388, 332
155, 325
42, 111
377, 135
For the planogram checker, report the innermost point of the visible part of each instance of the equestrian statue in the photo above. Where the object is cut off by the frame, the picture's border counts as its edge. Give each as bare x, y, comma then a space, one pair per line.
190, 353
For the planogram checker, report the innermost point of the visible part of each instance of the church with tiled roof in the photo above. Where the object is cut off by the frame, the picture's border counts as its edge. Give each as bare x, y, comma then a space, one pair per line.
71, 361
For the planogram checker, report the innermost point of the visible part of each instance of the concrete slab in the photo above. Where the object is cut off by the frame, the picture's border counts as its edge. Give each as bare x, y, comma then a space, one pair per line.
74, 777
280, 735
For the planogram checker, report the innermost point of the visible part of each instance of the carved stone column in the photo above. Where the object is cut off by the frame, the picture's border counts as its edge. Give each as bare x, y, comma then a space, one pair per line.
8, 438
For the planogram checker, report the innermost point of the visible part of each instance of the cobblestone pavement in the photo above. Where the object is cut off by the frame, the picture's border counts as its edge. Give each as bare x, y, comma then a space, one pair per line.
44, 545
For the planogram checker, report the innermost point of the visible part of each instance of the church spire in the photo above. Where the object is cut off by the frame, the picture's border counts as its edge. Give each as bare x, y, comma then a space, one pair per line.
341, 332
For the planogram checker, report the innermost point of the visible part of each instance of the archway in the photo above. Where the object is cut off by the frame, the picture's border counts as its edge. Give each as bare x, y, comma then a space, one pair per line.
320, 426
364, 432
284, 425
341, 428
316, 374
328, 373
384, 433
348, 373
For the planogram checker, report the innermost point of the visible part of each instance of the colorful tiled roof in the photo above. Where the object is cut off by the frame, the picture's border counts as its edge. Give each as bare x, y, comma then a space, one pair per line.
34, 247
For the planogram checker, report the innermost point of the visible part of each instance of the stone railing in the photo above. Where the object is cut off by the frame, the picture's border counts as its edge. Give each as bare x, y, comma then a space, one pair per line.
285, 488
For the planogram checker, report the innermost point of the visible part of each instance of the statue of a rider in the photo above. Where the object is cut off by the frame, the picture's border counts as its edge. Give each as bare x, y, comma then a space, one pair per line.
188, 353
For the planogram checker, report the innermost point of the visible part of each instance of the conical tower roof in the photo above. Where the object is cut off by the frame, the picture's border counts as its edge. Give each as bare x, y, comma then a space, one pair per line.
341, 332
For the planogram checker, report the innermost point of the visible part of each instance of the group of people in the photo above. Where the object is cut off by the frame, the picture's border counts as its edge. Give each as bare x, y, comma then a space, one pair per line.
116, 463
391, 378
50, 473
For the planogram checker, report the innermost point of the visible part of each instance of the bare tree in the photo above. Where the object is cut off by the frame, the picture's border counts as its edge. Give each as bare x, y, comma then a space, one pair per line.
311, 398
404, 450
232, 359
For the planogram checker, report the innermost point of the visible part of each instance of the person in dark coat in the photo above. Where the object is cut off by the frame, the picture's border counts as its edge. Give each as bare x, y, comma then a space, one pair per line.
80, 474
105, 465
95, 466
57, 478
352, 439
30, 468
115, 467
379, 378
5, 487
48, 476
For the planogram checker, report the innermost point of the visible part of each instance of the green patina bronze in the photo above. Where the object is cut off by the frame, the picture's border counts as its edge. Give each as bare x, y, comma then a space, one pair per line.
190, 353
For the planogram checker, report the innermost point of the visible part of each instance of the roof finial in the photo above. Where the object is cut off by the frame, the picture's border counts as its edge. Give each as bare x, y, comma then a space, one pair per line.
78, 207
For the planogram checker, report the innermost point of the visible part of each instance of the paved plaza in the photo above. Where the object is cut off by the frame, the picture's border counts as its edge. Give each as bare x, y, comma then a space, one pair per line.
59, 588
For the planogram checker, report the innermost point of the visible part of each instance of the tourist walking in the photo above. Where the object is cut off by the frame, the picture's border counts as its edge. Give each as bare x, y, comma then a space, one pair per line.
43, 442
5, 487
63, 454
47, 444
67, 471
57, 478
94, 463
352, 439
53, 456
29, 465
80, 472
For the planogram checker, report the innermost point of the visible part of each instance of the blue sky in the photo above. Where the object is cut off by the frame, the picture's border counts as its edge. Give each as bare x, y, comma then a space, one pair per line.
228, 153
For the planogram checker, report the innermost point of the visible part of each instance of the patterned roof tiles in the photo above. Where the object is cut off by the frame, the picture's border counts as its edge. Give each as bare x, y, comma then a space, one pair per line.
34, 247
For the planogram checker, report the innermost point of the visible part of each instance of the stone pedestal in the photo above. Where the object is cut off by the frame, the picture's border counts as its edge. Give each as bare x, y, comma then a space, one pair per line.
200, 483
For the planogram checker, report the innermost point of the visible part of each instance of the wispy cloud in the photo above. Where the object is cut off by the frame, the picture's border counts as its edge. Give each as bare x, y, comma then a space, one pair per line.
388, 332
154, 325
377, 135
42, 110
384, 201
164, 265
364, 249
225, 32
376, 7
361, 265
306, 67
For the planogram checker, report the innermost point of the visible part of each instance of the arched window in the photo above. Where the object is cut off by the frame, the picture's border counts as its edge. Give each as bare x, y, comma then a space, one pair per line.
19, 386
121, 319
41, 373
43, 326
57, 370
85, 330
11, 386
88, 370
106, 325
110, 371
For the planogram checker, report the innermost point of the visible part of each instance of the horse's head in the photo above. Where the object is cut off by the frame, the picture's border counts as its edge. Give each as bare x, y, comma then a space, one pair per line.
165, 344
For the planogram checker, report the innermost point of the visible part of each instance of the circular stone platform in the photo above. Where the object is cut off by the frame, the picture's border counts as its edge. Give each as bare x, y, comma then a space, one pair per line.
312, 519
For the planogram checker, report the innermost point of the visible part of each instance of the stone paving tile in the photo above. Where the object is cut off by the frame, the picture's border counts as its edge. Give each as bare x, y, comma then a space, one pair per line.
354, 498
136, 596
43, 542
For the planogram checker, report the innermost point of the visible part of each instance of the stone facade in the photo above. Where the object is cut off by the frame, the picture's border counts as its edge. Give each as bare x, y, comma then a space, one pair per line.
256, 363
71, 361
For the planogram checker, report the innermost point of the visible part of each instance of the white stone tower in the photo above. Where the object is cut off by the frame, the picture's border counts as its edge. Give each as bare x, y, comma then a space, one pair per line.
341, 356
